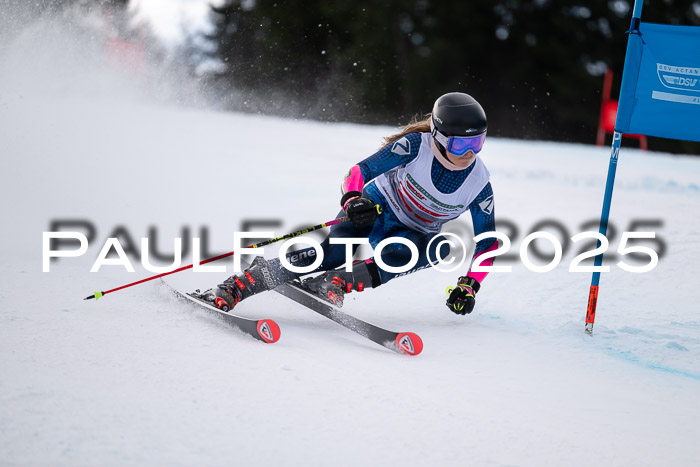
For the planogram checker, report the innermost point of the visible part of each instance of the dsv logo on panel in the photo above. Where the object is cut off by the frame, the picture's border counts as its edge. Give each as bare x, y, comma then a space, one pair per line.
678, 77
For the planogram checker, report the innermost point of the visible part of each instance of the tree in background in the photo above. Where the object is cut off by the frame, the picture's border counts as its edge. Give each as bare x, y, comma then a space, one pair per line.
536, 65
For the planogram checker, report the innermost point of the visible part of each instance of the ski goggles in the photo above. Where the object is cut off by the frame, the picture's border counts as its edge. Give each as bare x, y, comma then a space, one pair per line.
458, 145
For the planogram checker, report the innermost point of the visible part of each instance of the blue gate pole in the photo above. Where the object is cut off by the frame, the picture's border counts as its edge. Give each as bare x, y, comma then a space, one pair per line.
612, 168
609, 184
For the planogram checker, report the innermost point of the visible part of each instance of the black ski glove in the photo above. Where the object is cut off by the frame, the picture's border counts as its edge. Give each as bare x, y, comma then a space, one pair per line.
361, 211
461, 300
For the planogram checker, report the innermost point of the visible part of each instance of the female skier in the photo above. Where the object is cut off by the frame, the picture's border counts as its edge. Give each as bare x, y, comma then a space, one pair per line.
422, 177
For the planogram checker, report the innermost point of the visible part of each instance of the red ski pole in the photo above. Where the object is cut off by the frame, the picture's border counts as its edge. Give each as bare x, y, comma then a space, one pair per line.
97, 295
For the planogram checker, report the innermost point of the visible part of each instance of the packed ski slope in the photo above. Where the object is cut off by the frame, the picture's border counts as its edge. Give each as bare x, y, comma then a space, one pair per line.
139, 378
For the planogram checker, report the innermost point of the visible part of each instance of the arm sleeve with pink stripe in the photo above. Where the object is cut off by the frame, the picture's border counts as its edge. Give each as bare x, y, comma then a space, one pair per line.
483, 218
354, 181
480, 276
392, 155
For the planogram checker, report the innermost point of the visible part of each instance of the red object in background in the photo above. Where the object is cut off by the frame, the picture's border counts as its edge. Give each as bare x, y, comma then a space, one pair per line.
126, 55
608, 114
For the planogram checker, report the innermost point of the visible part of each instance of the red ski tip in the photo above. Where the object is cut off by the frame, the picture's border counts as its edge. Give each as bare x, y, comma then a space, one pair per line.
269, 331
409, 343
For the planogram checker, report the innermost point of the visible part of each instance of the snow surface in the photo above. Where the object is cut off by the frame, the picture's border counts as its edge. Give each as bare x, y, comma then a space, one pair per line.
139, 378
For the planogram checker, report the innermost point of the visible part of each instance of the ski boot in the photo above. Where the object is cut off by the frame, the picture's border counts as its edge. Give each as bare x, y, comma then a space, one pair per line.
257, 278
332, 286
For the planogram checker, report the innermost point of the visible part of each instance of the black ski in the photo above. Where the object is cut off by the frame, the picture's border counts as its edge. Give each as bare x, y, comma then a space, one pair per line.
401, 342
265, 330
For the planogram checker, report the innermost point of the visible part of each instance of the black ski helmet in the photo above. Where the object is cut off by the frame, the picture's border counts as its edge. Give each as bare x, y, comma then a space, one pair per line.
459, 114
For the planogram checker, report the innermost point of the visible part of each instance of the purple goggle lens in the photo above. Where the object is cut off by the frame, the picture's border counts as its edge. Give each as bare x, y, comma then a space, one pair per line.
459, 145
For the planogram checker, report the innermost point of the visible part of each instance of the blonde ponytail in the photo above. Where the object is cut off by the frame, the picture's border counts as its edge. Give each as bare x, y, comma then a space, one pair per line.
417, 124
